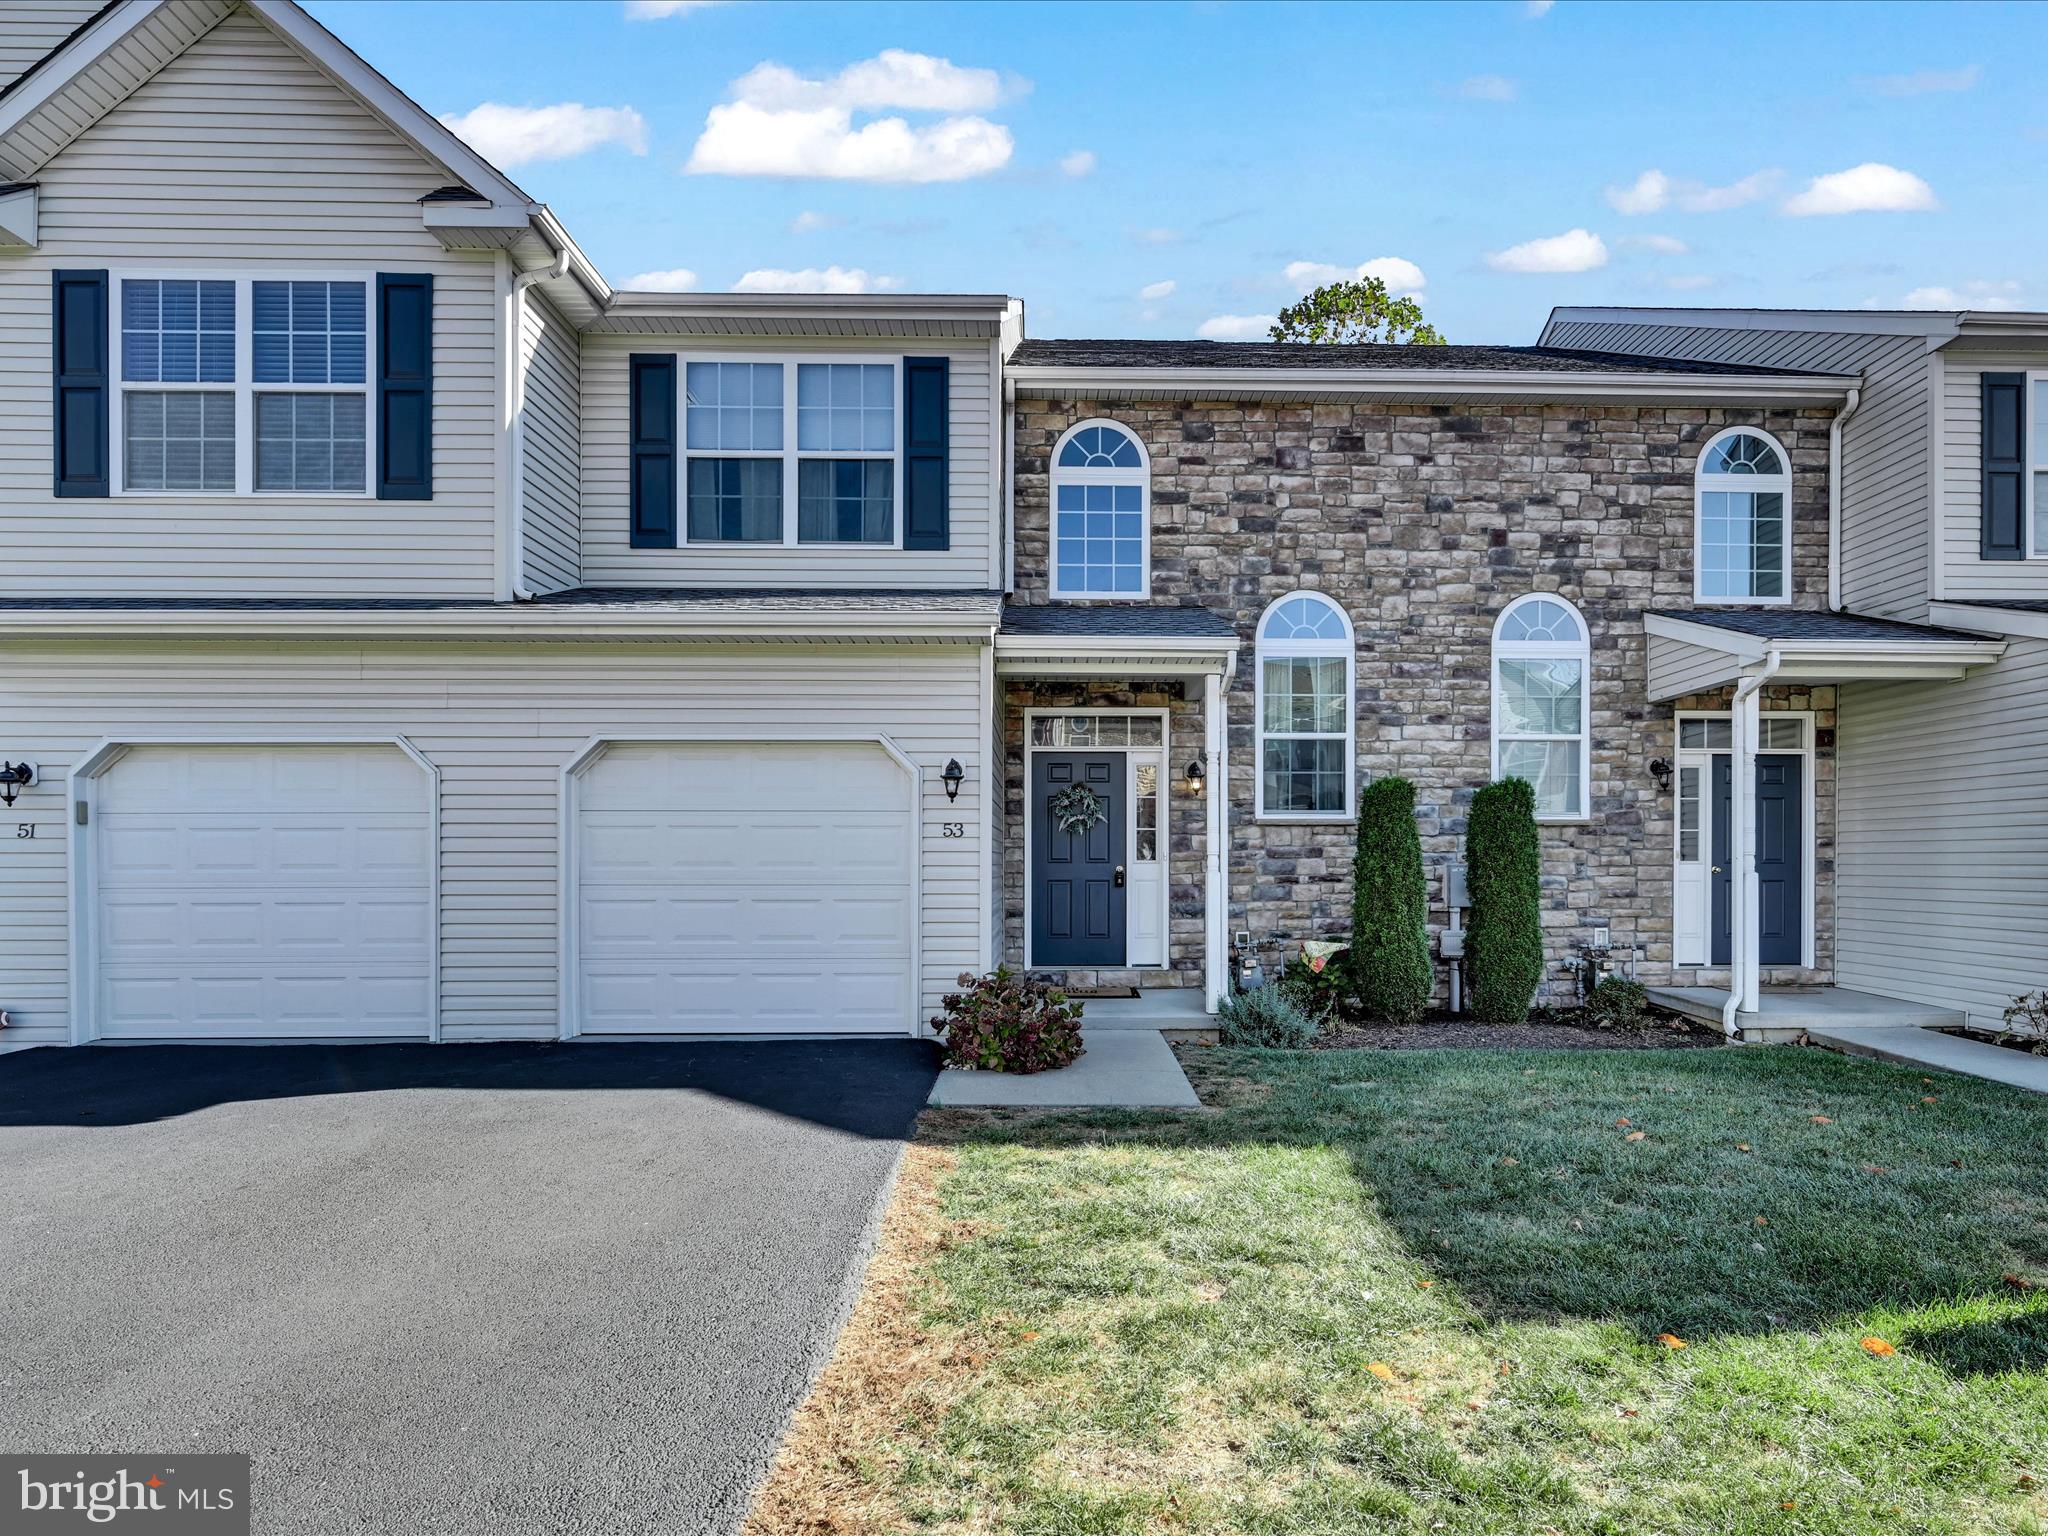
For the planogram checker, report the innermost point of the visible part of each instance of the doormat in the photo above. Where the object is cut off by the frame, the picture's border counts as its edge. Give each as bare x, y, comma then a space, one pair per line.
1098, 994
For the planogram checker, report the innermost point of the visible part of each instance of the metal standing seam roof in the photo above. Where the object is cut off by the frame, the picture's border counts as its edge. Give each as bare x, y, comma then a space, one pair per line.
1313, 358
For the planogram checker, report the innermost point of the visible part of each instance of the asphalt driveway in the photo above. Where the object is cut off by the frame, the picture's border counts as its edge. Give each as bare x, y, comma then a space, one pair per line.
557, 1288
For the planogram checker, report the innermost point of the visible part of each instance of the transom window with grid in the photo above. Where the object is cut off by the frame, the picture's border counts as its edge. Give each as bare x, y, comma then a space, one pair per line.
240, 385
763, 438
1305, 709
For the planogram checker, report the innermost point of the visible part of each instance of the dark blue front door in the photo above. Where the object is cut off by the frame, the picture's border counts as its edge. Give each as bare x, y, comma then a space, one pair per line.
1077, 894
1780, 858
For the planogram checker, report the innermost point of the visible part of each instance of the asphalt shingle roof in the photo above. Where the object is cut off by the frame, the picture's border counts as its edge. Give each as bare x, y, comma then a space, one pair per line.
1123, 621
1809, 624
1268, 354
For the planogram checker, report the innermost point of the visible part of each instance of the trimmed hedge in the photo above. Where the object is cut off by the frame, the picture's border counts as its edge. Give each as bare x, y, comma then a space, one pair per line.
1390, 965
1504, 949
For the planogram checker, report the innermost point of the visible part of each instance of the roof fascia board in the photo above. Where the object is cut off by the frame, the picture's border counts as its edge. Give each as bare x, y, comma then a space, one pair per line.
55, 73
1729, 642
1113, 647
1855, 322
1806, 655
529, 622
725, 306
2019, 622
1808, 389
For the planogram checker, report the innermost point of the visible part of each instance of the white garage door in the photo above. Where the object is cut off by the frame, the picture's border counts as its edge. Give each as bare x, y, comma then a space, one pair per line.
759, 888
262, 891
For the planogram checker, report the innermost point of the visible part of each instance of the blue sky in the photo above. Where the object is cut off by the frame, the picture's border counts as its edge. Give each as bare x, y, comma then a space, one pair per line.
1495, 157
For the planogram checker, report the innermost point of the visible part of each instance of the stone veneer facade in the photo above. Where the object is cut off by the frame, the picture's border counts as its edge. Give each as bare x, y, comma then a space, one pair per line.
1423, 522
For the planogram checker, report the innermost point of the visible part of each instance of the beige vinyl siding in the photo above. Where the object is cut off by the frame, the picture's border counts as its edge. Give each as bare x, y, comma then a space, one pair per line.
609, 561
31, 28
240, 158
1677, 668
1941, 862
1964, 574
499, 722
553, 435
1884, 445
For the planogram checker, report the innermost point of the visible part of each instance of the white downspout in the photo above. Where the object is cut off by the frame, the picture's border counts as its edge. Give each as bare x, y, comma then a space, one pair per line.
516, 402
1835, 497
1744, 974
1212, 826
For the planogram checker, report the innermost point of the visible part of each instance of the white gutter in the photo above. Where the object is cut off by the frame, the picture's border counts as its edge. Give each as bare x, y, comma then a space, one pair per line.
1491, 383
516, 401
537, 621
1742, 968
1835, 497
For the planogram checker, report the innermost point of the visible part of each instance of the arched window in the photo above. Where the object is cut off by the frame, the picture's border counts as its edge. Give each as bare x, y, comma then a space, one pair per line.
1742, 524
1540, 661
1305, 700
1101, 513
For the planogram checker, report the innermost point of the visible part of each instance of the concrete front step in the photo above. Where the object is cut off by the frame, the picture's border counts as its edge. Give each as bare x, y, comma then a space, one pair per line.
1790, 1011
1177, 1012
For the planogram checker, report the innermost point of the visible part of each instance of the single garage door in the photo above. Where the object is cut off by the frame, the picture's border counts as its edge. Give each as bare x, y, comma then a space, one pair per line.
263, 891
755, 888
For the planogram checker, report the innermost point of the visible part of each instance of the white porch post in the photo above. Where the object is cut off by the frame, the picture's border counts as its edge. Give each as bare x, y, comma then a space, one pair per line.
1743, 890
1215, 897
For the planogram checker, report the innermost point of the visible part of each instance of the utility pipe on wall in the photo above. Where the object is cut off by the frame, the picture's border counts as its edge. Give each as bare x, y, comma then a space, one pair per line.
1835, 497
516, 400
1744, 972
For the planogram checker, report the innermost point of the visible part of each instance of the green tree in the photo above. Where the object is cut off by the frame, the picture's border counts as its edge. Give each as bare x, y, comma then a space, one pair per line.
1357, 309
1503, 872
1390, 965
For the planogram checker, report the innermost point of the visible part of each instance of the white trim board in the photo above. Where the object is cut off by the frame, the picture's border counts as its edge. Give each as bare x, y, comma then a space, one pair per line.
1809, 821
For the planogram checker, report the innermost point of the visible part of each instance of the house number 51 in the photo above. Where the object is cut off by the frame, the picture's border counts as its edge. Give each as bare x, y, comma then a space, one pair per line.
24, 829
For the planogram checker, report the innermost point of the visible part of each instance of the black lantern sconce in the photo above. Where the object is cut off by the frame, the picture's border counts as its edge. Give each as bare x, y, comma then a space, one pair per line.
14, 778
1198, 776
953, 777
1660, 770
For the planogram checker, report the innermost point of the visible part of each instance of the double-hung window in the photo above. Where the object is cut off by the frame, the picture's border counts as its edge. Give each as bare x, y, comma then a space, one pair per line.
1101, 513
243, 385
791, 451
1305, 710
1743, 521
1541, 656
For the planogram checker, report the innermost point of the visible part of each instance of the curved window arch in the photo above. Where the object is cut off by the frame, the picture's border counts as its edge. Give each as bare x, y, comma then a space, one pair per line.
1742, 519
1306, 702
1101, 512
1542, 658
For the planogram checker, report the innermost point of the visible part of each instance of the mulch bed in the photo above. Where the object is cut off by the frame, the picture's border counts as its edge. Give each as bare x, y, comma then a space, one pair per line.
2025, 1045
1444, 1033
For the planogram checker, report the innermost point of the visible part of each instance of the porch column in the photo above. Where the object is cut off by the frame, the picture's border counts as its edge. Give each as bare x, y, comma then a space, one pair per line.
1745, 891
1215, 897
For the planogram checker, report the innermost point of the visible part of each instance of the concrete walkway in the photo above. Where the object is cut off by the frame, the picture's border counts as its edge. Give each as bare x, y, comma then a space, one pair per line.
1121, 1069
1930, 1048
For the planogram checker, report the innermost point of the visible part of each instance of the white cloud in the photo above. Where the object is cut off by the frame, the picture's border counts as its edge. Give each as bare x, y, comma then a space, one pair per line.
1924, 82
1157, 236
1397, 272
509, 136
1079, 163
809, 222
1576, 250
661, 10
1155, 291
1663, 245
833, 279
780, 123
674, 280
1653, 191
1535, 10
1488, 88
1973, 295
1237, 327
1866, 188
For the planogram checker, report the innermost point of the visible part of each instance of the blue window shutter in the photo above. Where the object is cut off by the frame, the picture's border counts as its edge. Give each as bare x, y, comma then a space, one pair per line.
405, 386
925, 446
79, 382
2002, 532
651, 435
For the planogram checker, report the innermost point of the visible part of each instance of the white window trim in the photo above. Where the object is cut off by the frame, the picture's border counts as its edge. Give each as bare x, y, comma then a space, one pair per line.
1263, 650
245, 388
790, 455
1809, 819
1060, 477
1702, 482
2037, 463
1549, 650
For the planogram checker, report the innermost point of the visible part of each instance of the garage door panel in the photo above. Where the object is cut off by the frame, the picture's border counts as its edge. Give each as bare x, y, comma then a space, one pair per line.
755, 888
264, 892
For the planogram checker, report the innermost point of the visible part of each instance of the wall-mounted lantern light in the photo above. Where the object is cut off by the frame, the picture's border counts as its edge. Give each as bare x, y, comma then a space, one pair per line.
1660, 770
1198, 775
14, 778
953, 778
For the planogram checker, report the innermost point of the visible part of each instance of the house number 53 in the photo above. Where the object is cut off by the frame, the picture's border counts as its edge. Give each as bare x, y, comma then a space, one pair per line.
952, 829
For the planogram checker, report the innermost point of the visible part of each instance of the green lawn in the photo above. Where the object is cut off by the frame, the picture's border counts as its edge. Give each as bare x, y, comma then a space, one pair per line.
1386, 1291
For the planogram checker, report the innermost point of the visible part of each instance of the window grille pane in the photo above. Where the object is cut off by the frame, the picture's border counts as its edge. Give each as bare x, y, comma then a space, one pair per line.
182, 441
1552, 767
307, 332
310, 442
1099, 539
736, 407
846, 501
845, 407
1147, 810
1781, 735
736, 500
1689, 815
177, 331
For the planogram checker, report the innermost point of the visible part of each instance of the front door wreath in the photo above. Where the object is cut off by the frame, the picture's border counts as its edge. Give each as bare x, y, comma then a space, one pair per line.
1077, 808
